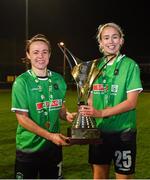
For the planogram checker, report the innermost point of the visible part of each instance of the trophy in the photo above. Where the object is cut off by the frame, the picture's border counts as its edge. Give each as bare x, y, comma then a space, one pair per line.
83, 130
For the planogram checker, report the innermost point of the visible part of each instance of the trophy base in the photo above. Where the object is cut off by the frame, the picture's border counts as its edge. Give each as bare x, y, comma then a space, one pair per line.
84, 136
84, 141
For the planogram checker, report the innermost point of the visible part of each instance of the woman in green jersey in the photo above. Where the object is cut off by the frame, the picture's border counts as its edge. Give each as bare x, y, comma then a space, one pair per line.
113, 102
38, 101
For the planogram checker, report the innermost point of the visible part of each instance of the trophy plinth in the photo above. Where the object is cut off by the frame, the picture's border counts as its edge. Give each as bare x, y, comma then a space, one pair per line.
84, 135
83, 130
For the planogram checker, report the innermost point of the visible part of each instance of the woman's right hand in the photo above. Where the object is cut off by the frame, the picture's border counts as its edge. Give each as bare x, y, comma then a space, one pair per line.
59, 139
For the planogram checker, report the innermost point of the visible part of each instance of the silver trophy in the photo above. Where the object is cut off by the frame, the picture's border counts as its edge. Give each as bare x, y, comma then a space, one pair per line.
83, 130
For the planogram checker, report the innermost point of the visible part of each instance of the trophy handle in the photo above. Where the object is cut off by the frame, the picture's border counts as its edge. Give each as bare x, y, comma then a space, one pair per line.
68, 54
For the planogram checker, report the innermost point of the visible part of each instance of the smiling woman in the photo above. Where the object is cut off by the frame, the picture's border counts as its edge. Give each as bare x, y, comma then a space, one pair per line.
38, 101
113, 102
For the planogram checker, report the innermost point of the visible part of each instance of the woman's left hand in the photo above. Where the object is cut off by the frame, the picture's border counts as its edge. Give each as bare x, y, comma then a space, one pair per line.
90, 111
87, 110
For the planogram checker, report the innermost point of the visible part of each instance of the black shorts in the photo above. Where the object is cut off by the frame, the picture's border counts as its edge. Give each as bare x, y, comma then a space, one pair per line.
119, 147
45, 164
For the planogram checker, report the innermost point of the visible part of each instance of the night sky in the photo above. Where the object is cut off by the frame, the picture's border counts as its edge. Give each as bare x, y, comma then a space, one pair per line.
75, 23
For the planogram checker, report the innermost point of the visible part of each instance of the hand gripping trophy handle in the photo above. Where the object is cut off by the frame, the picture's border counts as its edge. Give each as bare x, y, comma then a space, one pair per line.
83, 130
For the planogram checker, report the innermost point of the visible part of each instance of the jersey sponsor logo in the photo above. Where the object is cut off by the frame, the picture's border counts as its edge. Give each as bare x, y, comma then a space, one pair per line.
54, 104
98, 87
101, 89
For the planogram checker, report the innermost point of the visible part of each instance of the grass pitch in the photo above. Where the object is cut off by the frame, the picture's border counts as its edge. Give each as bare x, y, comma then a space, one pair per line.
75, 164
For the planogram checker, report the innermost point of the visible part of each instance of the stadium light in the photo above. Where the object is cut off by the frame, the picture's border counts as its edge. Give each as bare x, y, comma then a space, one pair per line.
62, 44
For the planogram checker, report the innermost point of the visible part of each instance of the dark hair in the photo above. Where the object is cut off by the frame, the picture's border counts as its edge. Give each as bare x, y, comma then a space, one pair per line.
38, 37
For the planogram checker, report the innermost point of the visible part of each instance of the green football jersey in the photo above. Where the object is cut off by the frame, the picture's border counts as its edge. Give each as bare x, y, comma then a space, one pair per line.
42, 98
111, 88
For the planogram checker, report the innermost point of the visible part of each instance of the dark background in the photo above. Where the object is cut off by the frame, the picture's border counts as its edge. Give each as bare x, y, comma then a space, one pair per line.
75, 23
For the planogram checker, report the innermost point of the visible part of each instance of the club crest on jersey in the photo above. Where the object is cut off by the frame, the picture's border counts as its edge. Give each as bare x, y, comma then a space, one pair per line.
54, 104
56, 86
114, 88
